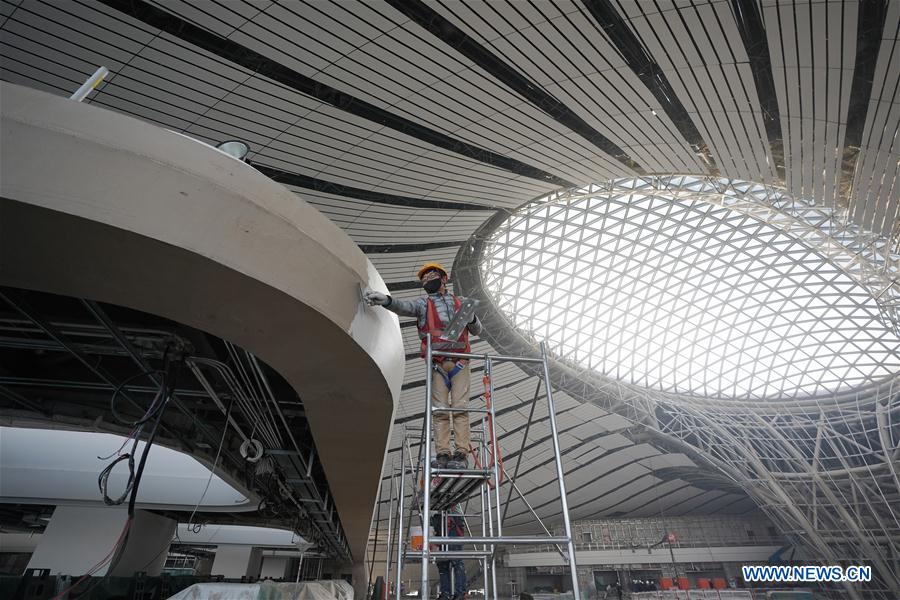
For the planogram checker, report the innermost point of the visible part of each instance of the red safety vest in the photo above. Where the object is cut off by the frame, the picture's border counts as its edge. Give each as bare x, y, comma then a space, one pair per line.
435, 327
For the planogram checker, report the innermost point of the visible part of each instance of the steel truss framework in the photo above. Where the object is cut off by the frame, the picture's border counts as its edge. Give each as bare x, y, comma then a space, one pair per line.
819, 454
288, 479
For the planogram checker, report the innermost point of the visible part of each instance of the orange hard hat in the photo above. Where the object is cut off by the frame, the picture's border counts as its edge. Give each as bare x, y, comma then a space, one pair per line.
431, 266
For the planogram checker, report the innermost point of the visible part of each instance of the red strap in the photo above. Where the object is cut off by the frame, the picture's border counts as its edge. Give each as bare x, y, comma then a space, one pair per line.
432, 318
435, 326
496, 454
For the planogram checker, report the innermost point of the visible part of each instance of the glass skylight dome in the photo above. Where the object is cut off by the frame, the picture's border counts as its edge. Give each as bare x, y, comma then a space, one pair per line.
693, 286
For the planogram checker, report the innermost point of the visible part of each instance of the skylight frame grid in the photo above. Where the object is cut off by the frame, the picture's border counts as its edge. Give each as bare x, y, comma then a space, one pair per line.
797, 231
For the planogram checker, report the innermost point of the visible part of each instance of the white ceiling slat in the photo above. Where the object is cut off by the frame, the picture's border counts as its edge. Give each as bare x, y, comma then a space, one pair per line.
834, 135
22, 73
196, 64
877, 190
868, 193
21, 41
100, 28
716, 504
807, 156
396, 267
760, 155
820, 163
358, 30
663, 500
779, 24
574, 68
620, 491
7, 9
840, 74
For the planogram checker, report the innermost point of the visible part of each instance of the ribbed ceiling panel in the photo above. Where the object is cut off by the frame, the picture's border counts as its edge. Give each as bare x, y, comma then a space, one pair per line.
875, 191
700, 52
564, 51
813, 74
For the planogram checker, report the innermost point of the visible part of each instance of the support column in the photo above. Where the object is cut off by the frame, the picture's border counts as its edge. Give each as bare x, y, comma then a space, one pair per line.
274, 566
79, 537
236, 561
360, 580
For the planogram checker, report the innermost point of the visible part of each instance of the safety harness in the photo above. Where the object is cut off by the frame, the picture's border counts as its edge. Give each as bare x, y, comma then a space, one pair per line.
448, 376
435, 327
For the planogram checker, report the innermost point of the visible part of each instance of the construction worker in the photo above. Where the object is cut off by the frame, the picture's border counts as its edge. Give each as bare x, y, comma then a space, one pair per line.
446, 566
450, 376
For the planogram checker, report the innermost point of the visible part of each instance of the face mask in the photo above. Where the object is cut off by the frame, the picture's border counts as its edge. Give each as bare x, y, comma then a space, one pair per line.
432, 285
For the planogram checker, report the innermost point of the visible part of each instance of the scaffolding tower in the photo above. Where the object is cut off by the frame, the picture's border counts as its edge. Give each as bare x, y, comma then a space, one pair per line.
436, 491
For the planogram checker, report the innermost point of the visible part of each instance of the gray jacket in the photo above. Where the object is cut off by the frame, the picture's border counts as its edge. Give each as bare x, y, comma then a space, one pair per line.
418, 308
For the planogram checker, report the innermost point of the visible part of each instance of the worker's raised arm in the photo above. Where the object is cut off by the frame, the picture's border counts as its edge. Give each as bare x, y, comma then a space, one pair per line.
407, 308
404, 308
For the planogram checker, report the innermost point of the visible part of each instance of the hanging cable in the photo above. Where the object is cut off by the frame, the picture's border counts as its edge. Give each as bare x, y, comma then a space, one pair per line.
190, 523
103, 478
154, 406
118, 452
168, 387
154, 410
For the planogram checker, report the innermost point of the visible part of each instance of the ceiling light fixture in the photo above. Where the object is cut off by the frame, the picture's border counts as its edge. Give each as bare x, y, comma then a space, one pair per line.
234, 148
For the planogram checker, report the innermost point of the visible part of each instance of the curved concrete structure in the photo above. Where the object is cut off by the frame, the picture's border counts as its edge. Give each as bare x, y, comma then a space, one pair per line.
103, 206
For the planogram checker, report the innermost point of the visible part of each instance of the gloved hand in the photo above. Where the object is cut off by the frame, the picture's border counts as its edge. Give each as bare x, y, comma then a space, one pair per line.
373, 298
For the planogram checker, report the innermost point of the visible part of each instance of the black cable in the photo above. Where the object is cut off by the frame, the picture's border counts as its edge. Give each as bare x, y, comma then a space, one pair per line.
151, 411
168, 388
103, 479
194, 527
155, 409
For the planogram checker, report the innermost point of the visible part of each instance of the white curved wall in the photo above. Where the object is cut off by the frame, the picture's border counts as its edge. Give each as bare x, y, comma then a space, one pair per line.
46, 466
241, 535
99, 205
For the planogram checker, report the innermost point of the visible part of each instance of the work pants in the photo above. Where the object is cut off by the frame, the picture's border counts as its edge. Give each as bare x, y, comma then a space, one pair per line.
460, 586
455, 397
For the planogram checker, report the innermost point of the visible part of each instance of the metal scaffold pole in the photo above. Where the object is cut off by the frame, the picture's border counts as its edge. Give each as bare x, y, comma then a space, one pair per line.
445, 490
554, 435
426, 482
400, 535
390, 539
495, 454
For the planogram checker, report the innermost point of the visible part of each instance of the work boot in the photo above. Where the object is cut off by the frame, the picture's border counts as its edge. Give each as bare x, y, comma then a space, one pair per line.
459, 461
441, 462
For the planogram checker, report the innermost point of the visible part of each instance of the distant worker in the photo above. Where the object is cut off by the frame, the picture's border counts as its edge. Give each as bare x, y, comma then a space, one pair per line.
450, 376
452, 571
